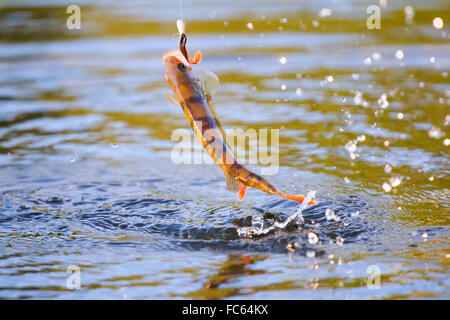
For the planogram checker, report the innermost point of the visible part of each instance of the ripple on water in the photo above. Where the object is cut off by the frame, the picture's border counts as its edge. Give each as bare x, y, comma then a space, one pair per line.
85, 146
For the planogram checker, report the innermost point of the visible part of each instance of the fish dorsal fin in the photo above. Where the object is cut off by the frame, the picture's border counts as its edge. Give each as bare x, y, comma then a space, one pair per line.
211, 83
172, 100
232, 184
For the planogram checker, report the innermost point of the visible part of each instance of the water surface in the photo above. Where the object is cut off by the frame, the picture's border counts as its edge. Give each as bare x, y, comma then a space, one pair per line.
86, 176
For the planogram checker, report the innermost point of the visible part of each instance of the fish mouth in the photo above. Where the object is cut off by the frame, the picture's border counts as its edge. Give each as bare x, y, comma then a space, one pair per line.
174, 56
168, 55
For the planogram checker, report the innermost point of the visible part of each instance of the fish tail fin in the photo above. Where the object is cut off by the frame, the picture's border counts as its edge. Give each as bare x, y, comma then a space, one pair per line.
296, 197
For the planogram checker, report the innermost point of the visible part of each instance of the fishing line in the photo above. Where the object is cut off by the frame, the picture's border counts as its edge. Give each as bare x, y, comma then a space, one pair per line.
181, 25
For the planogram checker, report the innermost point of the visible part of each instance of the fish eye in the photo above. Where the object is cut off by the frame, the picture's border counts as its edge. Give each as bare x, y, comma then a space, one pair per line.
182, 67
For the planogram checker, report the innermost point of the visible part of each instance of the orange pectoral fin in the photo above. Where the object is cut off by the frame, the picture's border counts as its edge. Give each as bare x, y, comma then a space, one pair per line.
242, 189
298, 198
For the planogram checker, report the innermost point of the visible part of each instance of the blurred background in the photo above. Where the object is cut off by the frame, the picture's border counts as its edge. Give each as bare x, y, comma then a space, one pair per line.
86, 177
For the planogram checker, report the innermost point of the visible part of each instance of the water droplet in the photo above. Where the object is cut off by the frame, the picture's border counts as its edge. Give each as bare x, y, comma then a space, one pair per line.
376, 56
424, 235
250, 26
361, 138
387, 187
348, 115
358, 98
298, 91
23, 207
325, 12
438, 23
346, 180
310, 254
283, 60
435, 132
283, 20
387, 168
355, 76
399, 54
367, 61
312, 238
431, 178
446, 142
283, 87
386, 143
400, 116
350, 146
355, 214
432, 59
383, 101
409, 14
329, 213
339, 241
330, 78
315, 23
447, 120
395, 181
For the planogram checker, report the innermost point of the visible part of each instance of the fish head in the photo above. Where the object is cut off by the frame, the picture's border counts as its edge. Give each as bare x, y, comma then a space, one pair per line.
178, 70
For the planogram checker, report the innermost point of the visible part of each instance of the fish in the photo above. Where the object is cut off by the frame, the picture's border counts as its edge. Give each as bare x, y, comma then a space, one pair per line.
195, 99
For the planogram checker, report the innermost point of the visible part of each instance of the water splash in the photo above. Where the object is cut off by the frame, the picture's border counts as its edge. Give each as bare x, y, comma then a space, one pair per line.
438, 23
399, 54
435, 132
257, 228
330, 215
325, 12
